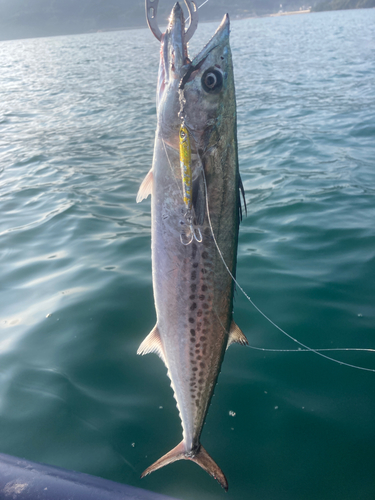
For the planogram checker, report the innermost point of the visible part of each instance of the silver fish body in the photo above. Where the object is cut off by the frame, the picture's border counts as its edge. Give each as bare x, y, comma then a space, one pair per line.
193, 290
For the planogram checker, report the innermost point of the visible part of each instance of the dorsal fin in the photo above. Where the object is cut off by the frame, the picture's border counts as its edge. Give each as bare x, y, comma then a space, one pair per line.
152, 343
236, 335
146, 187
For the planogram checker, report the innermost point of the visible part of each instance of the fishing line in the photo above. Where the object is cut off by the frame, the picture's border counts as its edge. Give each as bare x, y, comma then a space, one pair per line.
305, 347
201, 5
307, 350
170, 165
319, 352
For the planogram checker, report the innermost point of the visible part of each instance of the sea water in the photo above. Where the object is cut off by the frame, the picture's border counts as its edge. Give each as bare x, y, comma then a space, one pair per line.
77, 123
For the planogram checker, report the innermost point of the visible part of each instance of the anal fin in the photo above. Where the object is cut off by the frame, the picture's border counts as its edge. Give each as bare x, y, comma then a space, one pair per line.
152, 343
236, 335
146, 187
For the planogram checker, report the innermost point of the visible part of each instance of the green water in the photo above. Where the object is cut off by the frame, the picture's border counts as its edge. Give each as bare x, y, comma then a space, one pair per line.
77, 121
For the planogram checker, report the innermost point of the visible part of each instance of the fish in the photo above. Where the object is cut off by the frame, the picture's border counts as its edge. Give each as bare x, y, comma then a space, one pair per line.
194, 239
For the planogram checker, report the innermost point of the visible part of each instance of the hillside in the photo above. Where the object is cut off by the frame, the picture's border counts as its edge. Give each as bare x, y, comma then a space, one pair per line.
343, 4
34, 18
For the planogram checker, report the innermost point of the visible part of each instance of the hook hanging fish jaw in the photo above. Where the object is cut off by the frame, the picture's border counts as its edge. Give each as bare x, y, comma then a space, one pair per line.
151, 17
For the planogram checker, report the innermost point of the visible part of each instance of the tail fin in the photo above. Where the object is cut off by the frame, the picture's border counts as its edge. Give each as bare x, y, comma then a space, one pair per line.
201, 458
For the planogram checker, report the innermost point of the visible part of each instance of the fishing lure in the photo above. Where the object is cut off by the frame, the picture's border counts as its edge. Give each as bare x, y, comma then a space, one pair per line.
187, 187
185, 163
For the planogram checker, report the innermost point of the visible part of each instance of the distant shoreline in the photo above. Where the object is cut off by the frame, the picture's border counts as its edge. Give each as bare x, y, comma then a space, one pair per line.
127, 28
290, 13
275, 14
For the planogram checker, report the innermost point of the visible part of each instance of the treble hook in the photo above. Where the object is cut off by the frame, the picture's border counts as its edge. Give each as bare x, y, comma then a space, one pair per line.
151, 12
195, 233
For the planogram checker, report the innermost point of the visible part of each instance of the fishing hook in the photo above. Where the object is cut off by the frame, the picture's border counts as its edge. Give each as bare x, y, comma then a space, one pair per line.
151, 12
195, 234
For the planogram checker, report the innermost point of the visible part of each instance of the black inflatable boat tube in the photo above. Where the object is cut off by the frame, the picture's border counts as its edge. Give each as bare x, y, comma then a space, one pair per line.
24, 480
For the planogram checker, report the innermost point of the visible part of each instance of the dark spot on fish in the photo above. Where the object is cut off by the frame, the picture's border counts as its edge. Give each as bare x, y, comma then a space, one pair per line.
193, 306
204, 288
209, 298
195, 264
204, 331
199, 357
192, 339
200, 381
202, 365
203, 271
194, 250
192, 331
205, 321
201, 297
205, 255
201, 373
193, 287
195, 369
199, 313
196, 402
191, 320
192, 297
197, 345
205, 305
193, 275
203, 338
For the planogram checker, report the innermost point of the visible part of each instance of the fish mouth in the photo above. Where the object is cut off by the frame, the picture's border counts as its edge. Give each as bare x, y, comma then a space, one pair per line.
174, 61
176, 70
173, 54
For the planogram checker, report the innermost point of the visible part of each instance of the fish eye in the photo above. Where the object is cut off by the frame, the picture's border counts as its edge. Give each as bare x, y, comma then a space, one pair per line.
212, 80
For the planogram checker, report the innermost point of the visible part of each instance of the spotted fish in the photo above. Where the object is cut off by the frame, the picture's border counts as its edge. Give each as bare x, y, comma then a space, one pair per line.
193, 290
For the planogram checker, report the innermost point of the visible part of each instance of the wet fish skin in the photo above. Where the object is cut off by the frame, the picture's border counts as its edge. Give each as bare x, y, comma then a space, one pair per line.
193, 291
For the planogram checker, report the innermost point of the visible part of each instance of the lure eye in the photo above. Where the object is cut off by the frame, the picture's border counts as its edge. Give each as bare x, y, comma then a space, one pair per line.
212, 80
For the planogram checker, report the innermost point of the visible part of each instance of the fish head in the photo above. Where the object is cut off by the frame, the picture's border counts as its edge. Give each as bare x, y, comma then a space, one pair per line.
173, 64
199, 93
207, 91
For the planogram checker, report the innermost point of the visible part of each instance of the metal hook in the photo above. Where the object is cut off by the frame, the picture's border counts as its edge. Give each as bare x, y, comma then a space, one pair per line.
186, 242
195, 234
151, 12
198, 238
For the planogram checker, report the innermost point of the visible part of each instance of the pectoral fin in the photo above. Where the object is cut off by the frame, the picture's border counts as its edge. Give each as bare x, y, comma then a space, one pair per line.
152, 343
146, 187
236, 335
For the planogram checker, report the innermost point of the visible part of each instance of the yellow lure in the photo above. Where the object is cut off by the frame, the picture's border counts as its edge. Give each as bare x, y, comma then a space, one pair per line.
185, 163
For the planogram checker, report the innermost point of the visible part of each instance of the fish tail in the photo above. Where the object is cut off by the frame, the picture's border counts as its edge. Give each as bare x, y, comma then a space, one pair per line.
201, 457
